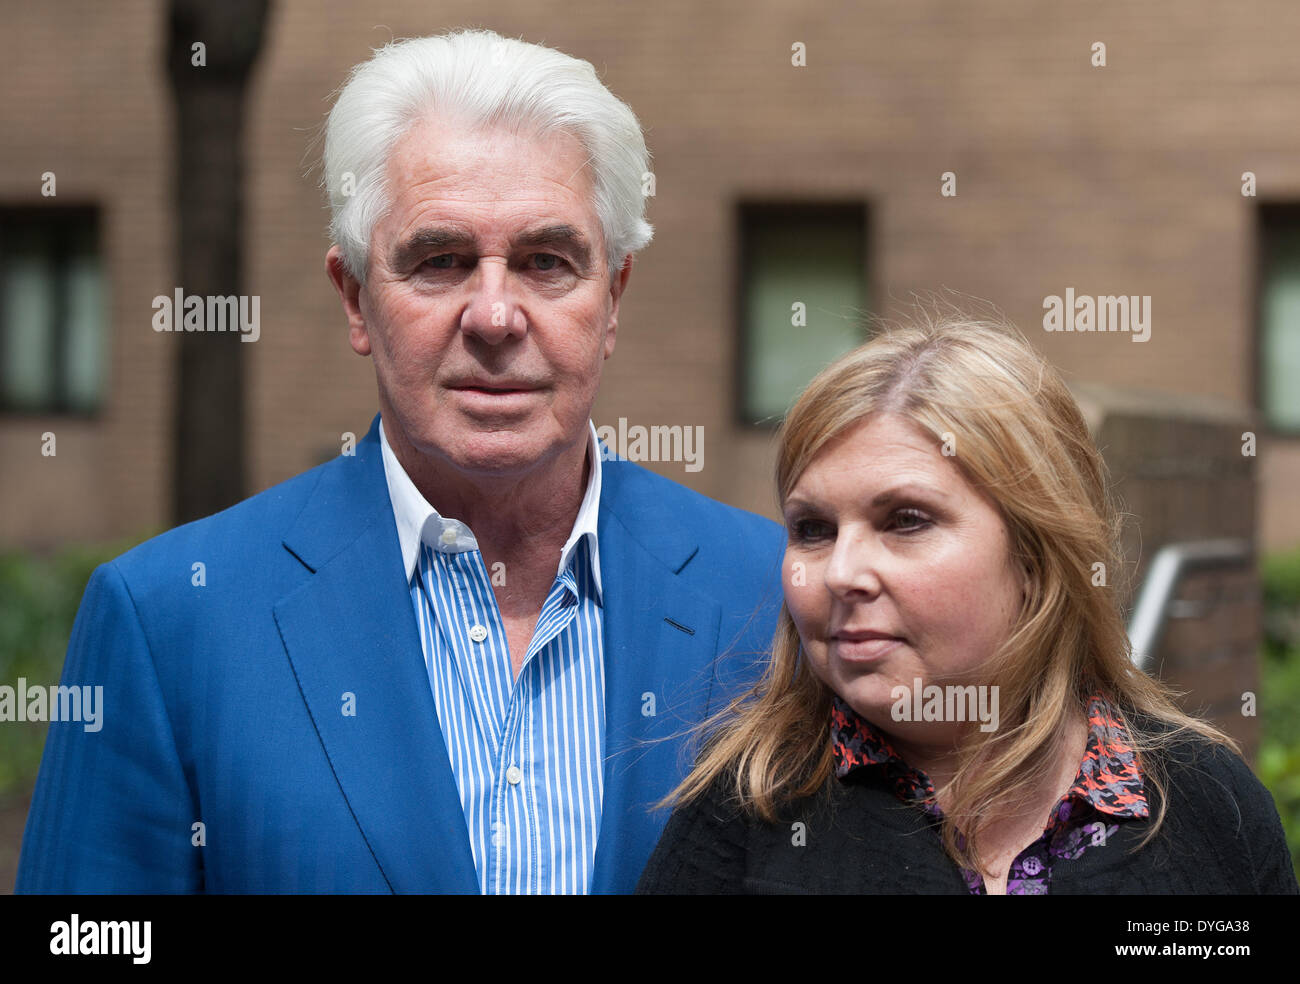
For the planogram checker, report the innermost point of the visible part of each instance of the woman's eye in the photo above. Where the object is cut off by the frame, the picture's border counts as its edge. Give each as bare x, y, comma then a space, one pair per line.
909, 520
807, 530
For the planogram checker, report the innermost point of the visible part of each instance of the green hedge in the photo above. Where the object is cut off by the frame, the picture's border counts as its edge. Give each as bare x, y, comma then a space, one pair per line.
1278, 765
38, 602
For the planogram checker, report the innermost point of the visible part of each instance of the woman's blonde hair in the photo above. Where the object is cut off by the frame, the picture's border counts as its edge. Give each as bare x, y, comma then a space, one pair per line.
1021, 439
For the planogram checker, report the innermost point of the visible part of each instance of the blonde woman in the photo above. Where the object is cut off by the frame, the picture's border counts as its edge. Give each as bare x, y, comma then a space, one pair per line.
951, 705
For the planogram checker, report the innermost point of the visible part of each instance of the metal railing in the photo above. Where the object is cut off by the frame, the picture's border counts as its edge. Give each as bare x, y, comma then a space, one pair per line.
1155, 601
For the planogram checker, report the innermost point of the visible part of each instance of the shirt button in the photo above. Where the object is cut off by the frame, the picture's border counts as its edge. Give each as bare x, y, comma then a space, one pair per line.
514, 774
477, 633
498, 836
448, 536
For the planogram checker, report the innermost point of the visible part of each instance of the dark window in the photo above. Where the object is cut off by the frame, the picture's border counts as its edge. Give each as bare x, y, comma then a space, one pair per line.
1278, 331
52, 310
803, 298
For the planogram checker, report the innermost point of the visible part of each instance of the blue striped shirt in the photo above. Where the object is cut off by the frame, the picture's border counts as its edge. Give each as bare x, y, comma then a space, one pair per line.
526, 753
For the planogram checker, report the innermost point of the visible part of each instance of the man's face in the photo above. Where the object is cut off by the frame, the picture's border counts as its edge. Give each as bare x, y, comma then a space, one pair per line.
488, 307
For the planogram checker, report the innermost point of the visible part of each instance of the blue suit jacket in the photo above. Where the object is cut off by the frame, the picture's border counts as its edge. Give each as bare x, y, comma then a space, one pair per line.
223, 702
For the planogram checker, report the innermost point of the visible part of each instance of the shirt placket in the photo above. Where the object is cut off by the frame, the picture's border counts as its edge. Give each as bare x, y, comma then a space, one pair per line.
515, 794
558, 612
479, 646
513, 816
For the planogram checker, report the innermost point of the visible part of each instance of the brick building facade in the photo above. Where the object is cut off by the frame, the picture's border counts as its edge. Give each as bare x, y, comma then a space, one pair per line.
1117, 179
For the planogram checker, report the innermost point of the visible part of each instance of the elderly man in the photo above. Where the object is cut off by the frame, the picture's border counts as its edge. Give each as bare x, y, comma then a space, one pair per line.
468, 657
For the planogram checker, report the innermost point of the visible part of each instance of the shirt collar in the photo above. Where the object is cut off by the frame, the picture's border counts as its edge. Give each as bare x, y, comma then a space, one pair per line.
418, 522
1109, 777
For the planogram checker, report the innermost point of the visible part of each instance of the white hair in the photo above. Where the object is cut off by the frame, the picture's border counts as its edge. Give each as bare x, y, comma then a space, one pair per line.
484, 80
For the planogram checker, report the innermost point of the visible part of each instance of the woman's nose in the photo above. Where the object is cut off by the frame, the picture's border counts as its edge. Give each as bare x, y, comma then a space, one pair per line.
854, 565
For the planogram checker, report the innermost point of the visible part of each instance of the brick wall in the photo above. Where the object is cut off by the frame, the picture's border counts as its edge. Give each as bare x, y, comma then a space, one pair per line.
1122, 179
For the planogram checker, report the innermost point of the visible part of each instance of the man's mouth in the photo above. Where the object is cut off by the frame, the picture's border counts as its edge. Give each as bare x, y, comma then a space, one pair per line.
492, 397
495, 388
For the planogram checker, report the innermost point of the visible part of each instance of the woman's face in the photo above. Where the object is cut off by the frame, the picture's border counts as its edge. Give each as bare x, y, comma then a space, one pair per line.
896, 569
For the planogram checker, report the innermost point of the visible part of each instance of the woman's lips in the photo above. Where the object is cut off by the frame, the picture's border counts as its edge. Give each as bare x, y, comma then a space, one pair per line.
862, 648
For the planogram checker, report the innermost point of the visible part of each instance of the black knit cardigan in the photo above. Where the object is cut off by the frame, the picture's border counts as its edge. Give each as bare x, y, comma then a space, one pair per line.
1221, 835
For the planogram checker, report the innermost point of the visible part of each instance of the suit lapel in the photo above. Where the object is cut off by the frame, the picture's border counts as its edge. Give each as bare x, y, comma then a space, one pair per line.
660, 639
350, 629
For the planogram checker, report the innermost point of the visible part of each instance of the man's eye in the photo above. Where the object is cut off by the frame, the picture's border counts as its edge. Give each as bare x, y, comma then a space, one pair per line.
443, 261
546, 261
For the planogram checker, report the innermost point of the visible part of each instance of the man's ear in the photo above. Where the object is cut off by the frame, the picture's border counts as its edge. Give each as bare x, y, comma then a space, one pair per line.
617, 285
349, 288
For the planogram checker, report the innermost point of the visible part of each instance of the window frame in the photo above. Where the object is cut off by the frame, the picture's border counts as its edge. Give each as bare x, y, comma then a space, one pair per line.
775, 209
66, 221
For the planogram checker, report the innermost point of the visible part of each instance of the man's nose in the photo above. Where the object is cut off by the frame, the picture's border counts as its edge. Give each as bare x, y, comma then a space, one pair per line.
493, 312
855, 564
